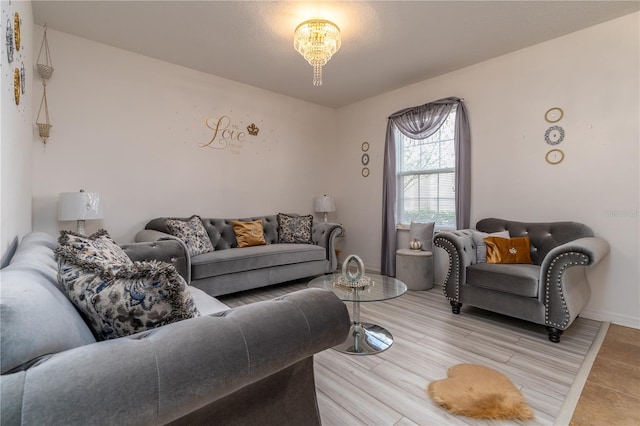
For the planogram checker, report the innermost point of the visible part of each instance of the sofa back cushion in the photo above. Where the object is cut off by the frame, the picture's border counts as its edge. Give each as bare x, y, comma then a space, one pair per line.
544, 236
36, 319
220, 231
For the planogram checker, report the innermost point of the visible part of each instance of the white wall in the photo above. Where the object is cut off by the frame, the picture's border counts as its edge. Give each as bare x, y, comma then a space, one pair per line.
130, 127
17, 129
593, 75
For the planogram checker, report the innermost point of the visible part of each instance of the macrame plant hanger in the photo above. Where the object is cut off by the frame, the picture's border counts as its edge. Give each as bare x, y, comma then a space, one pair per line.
45, 70
43, 128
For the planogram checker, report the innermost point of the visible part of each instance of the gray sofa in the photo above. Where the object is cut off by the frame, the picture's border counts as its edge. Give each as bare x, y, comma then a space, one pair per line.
552, 291
229, 269
250, 365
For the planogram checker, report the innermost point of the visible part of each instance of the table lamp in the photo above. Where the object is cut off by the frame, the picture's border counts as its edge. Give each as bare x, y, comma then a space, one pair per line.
79, 206
325, 204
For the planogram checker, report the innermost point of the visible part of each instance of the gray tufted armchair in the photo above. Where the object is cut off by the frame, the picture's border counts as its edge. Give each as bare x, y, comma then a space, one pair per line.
552, 291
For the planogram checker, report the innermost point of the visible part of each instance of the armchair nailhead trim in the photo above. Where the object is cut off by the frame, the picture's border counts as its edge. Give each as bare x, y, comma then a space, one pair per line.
448, 247
558, 285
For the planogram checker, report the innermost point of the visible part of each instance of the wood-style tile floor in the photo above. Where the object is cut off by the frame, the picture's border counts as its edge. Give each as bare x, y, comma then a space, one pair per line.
611, 395
389, 388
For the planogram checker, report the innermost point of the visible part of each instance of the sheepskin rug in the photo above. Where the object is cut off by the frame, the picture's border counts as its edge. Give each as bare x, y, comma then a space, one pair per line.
479, 392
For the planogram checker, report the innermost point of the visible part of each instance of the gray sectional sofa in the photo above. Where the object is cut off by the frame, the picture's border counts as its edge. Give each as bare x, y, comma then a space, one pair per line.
249, 365
229, 268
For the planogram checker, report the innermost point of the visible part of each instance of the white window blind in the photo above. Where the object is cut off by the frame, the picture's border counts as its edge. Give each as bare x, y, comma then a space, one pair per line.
426, 176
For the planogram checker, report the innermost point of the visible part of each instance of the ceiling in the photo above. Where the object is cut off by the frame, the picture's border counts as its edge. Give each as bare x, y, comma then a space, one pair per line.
385, 44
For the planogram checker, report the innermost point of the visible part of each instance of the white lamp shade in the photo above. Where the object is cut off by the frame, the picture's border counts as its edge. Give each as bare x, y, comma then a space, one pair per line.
325, 204
79, 206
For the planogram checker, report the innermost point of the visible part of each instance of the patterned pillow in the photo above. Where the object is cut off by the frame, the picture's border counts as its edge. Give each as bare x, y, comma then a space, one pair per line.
192, 233
294, 229
98, 246
119, 299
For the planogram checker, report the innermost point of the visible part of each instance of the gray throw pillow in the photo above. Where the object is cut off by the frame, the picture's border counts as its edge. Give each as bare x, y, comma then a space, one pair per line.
423, 232
481, 247
192, 233
295, 229
117, 299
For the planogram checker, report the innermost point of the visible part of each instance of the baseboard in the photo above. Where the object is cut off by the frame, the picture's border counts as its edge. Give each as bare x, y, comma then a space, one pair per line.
612, 317
573, 396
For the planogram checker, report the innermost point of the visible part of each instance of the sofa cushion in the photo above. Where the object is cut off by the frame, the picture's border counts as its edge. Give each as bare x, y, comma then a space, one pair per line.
192, 233
98, 246
518, 279
248, 234
117, 297
221, 262
508, 250
294, 229
120, 300
481, 248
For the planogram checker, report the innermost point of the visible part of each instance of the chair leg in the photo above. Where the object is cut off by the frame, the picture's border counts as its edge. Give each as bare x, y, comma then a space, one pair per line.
455, 307
554, 334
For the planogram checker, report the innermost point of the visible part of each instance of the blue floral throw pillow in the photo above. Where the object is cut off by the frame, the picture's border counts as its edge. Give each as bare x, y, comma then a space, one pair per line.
192, 233
294, 229
122, 298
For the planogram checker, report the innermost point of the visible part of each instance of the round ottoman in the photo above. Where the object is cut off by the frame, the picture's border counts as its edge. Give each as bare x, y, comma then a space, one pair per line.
415, 268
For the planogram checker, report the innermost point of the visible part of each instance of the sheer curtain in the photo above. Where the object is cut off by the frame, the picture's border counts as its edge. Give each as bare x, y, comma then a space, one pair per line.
420, 122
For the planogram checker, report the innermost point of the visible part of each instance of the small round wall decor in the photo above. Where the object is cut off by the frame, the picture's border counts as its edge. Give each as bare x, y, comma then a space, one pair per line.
365, 171
365, 146
554, 135
554, 156
365, 159
553, 115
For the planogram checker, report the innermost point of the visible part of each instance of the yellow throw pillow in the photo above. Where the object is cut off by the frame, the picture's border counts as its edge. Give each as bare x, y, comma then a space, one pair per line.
248, 233
508, 250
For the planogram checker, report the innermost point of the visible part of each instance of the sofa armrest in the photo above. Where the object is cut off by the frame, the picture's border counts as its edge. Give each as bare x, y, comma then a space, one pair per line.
565, 289
160, 375
324, 234
172, 251
150, 235
461, 252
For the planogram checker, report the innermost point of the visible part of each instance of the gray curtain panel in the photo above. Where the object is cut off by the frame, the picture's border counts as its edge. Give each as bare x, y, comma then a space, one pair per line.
420, 122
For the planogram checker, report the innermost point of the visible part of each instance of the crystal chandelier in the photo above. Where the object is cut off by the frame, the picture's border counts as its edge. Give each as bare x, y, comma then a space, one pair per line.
317, 40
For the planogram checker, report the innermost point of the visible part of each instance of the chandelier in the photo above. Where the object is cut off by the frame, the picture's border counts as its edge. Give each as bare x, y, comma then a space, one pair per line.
317, 40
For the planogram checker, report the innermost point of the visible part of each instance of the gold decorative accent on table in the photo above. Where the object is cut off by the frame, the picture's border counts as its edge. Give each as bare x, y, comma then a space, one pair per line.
253, 129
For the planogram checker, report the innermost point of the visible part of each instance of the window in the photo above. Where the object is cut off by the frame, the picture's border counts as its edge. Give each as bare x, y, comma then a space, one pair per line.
426, 176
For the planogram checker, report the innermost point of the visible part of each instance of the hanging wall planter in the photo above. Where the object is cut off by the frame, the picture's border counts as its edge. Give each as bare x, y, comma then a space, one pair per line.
44, 128
45, 70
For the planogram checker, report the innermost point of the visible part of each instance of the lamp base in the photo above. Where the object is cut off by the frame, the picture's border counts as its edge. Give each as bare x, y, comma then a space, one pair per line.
326, 216
81, 230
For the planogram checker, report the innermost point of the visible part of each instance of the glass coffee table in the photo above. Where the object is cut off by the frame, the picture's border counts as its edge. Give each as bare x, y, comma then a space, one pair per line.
364, 338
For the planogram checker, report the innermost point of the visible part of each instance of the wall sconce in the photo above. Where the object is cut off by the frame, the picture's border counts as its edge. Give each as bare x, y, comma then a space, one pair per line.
79, 206
325, 204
